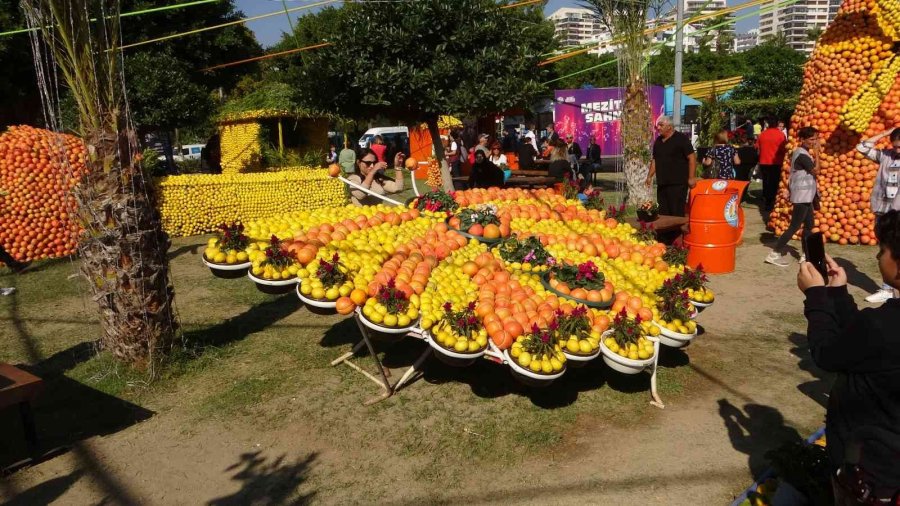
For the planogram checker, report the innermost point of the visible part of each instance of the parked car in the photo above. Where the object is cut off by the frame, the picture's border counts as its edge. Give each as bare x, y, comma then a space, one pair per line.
397, 135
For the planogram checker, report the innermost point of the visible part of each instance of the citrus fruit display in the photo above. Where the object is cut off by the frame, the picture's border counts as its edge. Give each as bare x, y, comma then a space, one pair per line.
228, 254
401, 268
481, 222
191, 204
851, 91
38, 170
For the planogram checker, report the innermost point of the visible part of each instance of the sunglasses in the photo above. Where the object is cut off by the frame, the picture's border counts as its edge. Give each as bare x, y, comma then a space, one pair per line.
369, 163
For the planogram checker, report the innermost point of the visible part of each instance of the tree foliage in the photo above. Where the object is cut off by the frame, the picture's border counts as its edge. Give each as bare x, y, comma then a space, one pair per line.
19, 99
417, 60
161, 93
603, 76
771, 69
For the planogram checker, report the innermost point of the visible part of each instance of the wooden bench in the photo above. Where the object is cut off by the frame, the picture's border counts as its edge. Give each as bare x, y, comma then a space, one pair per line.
18, 387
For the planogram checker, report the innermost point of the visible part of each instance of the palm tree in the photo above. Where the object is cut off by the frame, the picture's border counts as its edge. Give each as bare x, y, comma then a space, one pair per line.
626, 21
123, 248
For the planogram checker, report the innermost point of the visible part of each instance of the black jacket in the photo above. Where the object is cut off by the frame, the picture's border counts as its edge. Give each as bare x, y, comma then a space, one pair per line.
485, 175
594, 153
863, 348
526, 155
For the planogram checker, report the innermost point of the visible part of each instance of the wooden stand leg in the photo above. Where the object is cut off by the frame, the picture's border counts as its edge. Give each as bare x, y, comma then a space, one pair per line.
28, 426
414, 369
388, 391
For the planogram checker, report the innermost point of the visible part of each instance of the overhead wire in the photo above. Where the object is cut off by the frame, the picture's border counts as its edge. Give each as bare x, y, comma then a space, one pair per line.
125, 14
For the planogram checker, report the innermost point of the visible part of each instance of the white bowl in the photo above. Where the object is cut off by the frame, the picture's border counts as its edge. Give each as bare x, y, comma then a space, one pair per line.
528, 376
384, 330
272, 282
580, 360
324, 304
619, 363
226, 267
674, 339
452, 357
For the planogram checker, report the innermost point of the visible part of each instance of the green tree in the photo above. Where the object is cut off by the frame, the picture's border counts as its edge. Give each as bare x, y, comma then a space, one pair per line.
123, 248
599, 71
414, 61
773, 69
19, 99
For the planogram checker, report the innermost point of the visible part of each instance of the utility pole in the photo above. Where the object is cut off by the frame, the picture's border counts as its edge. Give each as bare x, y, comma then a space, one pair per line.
679, 56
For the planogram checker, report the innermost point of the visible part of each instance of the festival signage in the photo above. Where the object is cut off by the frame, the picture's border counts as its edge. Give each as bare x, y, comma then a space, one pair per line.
596, 112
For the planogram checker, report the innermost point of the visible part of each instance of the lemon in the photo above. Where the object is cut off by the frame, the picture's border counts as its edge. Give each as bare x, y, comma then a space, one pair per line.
403, 320
426, 323
305, 289
219, 258
317, 293
332, 293
585, 346
376, 317
461, 346
643, 355
536, 365
242, 256
572, 346
390, 320
474, 346
547, 366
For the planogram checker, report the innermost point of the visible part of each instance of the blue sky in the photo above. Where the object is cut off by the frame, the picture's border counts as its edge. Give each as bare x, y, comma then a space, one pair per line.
269, 30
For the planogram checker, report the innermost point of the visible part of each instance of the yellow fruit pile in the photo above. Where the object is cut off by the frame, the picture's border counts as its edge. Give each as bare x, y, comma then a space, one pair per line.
240, 146
197, 203
862, 106
434, 174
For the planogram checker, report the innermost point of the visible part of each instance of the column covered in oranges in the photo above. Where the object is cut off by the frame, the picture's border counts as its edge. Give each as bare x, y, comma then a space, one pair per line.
851, 91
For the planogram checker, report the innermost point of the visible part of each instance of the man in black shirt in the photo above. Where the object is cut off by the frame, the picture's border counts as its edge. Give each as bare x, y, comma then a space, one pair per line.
674, 164
594, 157
863, 348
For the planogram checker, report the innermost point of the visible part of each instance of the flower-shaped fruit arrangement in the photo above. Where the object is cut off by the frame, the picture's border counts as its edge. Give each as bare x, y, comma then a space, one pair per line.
583, 281
593, 199
437, 201
539, 351
229, 246
574, 332
648, 211
694, 281
278, 263
626, 337
325, 280
460, 331
482, 221
527, 254
390, 307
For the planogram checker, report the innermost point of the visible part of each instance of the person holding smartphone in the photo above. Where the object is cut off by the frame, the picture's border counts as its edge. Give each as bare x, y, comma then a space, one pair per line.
863, 348
802, 192
886, 192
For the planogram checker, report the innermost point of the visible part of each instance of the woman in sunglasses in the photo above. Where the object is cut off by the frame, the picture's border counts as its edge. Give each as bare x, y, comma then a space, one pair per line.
370, 174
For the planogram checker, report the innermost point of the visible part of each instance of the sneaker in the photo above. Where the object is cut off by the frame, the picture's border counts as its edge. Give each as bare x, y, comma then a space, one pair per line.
880, 296
776, 259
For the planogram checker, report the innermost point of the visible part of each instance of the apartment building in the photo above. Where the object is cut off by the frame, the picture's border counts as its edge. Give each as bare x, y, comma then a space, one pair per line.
797, 22
578, 27
745, 41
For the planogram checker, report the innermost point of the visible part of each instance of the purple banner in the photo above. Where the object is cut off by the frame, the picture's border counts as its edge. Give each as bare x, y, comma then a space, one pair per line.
595, 113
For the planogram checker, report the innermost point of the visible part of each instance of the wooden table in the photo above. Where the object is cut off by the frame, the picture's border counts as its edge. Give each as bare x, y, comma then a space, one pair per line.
18, 387
669, 228
525, 172
532, 181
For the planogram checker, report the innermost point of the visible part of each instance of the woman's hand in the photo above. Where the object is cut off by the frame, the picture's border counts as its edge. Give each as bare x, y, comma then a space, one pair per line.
808, 277
398, 160
837, 276
379, 166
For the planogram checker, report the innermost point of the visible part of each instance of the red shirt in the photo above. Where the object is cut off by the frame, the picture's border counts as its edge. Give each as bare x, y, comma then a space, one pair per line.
772, 147
379, 150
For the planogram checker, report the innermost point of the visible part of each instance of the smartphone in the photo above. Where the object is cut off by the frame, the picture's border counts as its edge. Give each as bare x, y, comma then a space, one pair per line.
814, 249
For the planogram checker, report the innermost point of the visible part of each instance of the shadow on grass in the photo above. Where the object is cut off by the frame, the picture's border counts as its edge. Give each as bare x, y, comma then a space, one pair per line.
46, 492
818, 388
254, 319
192, 248
67, 413
262, 482
857, 278
756, 430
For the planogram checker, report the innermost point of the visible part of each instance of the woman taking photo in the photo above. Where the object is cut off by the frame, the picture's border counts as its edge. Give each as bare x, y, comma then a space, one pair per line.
370, 174
720, 161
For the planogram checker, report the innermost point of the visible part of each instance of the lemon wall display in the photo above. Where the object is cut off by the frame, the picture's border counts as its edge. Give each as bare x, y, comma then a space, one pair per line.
198, 203
240, 145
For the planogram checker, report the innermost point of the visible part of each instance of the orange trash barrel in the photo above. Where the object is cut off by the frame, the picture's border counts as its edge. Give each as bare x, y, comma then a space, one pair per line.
716, 224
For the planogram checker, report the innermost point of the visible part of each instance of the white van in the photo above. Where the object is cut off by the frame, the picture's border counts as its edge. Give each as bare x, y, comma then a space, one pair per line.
398, 135
188, 152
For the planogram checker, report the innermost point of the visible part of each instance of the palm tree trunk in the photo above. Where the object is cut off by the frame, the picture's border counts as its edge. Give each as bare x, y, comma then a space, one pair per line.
123, 248
635, 140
